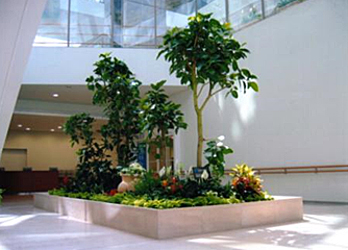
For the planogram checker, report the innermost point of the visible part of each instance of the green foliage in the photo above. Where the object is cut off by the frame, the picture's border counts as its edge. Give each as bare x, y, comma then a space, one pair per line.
1, 192
159, 115
159, 186
134, 169
117, 91
215, 155
247, 185
94, 170
194, 188
149, 184
206, 57
131, 199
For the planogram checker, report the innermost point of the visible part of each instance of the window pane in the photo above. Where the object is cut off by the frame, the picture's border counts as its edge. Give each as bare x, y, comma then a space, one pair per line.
173, 13
242, 12
53, 29
90, 23
138, 24
272, 6
217, 7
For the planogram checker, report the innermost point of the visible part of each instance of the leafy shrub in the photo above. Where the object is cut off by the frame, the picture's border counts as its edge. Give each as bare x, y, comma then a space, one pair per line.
163, 185
215, 155
247, 185
159, 115
94, 170
1, 192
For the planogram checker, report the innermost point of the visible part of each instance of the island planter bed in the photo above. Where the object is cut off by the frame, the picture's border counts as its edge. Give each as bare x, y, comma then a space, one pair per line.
176, 222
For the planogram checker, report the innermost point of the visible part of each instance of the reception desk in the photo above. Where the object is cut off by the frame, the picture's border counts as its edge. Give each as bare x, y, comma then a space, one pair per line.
28, 181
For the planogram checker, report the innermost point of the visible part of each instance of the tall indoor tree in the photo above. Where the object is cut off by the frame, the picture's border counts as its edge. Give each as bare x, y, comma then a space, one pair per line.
206, 56
117, 90
159, 116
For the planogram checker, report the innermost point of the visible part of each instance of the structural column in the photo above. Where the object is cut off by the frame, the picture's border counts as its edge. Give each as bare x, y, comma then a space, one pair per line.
19, 21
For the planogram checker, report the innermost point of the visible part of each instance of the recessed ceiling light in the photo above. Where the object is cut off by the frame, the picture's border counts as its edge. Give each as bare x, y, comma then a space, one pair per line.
19, 125
60, 127
52, 130
27, 129
55, 95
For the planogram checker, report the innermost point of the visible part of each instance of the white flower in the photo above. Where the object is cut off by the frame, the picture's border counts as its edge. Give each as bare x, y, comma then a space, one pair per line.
205, 175
221, 138
219, 144
162, 172
135, 165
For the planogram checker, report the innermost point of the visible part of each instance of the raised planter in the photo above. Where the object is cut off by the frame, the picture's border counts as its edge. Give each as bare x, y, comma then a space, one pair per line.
176, 222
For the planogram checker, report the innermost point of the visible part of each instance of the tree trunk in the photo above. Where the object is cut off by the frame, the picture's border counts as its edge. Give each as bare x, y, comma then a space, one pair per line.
200, 139
164, 146
199, 128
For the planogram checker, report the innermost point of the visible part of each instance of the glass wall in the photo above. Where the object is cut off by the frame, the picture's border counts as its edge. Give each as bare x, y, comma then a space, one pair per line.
53, 29
90, 23
172, 13
217, 7
138, 23
243, 12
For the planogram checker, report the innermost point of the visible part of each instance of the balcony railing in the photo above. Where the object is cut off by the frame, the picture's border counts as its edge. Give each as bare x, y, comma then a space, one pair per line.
138, 23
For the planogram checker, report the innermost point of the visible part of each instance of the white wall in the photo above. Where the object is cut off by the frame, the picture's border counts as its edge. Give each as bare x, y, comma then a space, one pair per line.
18, 24
299, 117
73, 65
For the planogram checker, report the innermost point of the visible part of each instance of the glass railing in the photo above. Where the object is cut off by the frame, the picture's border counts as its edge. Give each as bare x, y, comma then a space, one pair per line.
138, 23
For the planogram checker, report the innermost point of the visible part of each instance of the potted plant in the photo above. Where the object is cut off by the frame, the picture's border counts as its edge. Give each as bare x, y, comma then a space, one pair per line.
129, 176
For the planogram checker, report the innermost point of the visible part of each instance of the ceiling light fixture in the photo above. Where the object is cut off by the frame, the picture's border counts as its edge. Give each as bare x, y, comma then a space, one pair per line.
55, 95
19, 125
27, 129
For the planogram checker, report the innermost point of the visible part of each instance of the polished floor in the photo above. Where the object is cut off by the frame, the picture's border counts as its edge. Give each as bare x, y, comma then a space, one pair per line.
22, 226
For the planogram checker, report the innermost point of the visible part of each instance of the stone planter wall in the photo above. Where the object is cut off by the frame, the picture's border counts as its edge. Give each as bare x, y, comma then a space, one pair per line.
177, 222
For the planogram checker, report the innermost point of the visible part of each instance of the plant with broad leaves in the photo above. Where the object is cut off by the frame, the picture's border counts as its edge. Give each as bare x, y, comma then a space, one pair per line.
160, 115
117, 90
206, 57
94, 171
247, 184
215, 156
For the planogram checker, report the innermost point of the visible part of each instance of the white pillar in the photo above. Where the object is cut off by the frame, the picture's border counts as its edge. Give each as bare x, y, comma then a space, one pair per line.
19, 20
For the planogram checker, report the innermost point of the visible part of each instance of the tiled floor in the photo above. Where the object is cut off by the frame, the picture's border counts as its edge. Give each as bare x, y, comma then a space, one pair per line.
24, 227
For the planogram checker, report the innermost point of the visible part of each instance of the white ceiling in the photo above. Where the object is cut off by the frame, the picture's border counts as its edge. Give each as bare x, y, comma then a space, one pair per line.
76, 94
42, 123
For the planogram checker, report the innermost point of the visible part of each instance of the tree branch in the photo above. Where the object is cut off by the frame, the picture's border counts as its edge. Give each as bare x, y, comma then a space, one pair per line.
200, 91
217, 91
207, 98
